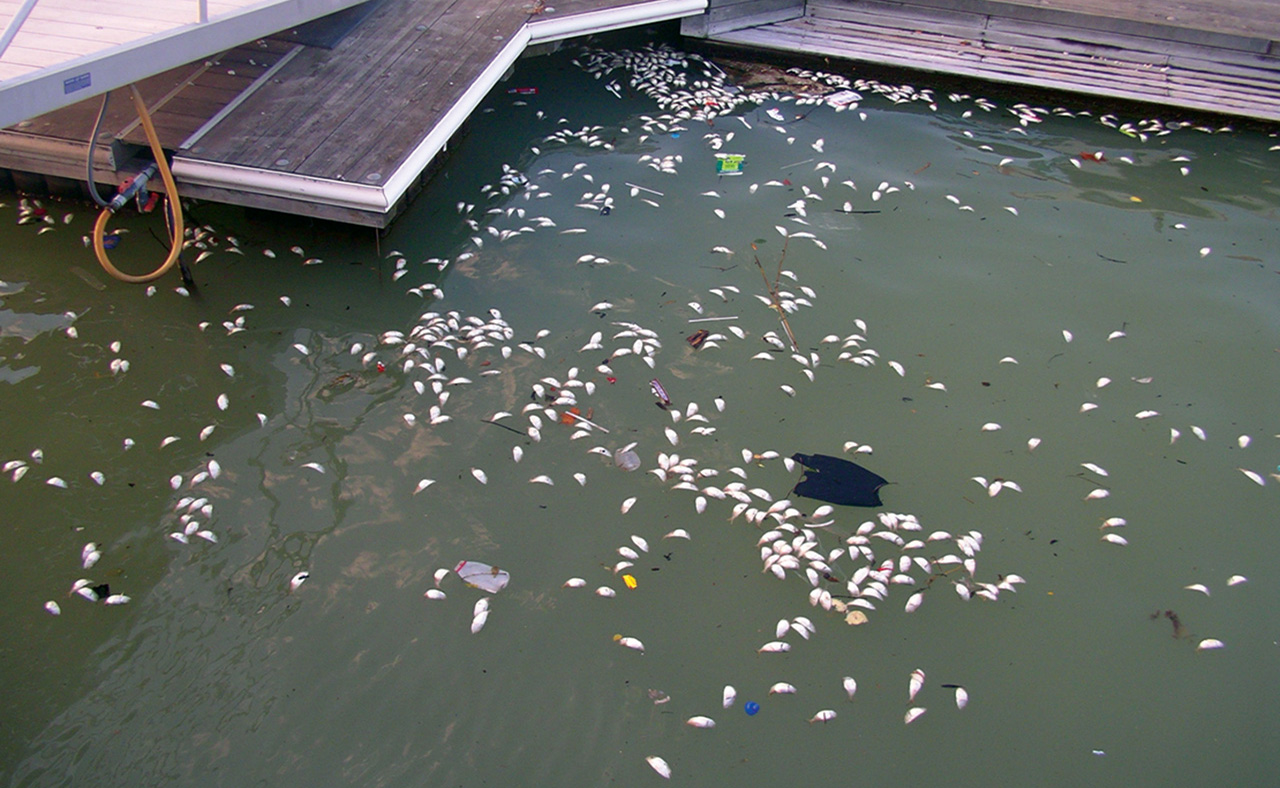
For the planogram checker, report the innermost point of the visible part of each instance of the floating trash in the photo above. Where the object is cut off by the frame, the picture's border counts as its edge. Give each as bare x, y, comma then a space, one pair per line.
626, 459
482, 576
730, 163
838, 481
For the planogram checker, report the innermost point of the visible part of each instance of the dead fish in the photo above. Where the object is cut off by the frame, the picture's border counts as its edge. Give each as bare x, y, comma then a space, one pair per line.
826, 715
298, 580
850, 686
660, 766
700, 722
629, 642
913, 714
915, 683
1253, 476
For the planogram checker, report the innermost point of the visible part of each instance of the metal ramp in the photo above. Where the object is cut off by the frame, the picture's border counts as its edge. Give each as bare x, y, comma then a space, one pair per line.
54, 53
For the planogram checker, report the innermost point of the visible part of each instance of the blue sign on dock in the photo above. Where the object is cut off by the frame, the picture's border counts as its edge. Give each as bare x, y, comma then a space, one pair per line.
78, 82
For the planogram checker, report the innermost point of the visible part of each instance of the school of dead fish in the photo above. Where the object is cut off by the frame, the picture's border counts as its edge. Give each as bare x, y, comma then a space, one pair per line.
888, 559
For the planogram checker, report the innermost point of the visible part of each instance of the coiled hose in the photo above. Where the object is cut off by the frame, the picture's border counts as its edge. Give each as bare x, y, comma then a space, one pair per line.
171, 196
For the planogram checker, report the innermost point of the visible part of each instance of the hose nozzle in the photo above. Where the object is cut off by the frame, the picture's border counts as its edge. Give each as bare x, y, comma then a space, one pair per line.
134, 187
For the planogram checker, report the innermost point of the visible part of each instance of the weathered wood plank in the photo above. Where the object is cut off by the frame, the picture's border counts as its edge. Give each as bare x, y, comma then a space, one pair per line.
733, 15
320, 89
390, 110
1243, 18
1045, 66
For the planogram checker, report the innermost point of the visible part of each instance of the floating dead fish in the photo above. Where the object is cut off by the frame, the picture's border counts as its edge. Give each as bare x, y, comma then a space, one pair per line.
700, 722
850, 686
297, 580
629, 642
915, 683
913, 714
1253, 476
659, 765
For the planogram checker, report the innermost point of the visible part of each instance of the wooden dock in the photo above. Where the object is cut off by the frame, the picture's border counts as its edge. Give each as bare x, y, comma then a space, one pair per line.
343, 130
341, 118
1219, 56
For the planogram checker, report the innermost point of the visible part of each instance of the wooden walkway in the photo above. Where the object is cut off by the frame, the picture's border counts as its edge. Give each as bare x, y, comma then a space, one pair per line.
1220, 56
342, 132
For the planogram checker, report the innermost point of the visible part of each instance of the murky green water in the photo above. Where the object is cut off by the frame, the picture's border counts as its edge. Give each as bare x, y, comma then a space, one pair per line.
215, 674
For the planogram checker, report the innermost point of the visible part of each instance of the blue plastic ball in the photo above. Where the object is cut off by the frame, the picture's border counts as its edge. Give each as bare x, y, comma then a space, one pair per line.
751, 708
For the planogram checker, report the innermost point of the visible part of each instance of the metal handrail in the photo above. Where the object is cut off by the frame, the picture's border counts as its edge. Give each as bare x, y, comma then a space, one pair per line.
15, 24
